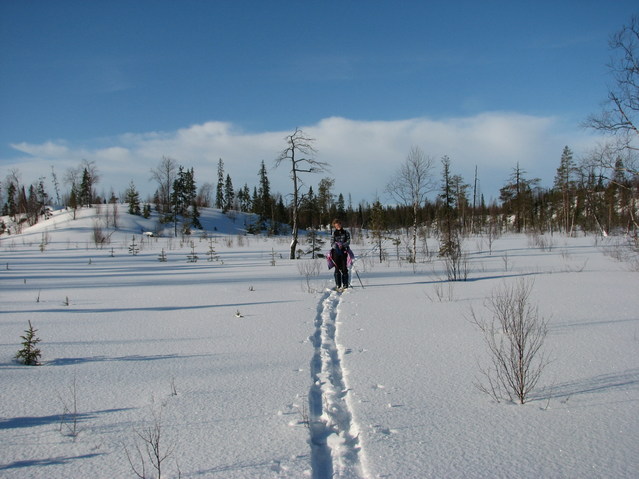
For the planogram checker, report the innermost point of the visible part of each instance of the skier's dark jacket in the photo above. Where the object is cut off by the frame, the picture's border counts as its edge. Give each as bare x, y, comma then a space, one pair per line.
342, 237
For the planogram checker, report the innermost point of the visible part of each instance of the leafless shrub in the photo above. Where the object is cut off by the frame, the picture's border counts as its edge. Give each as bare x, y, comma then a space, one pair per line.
569, 268
45, 241
515, 335
444, 291
304, 415
173, 386
506, 259
543, 242
150, 451
309, 269
69, 418
623, 250
493, 232
457, 265
98, 235
365, 263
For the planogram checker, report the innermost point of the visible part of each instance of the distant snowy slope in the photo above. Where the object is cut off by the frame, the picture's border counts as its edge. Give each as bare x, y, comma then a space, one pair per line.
62, 226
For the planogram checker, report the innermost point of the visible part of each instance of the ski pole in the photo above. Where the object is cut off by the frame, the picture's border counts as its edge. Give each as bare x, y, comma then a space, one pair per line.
357, 274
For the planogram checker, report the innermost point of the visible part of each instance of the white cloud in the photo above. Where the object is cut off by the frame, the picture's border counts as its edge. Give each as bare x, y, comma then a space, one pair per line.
363, 154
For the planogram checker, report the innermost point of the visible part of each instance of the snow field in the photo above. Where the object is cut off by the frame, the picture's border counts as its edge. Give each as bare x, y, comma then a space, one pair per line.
413, 383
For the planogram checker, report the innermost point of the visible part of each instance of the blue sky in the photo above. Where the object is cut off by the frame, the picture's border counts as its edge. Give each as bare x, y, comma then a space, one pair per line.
123, 83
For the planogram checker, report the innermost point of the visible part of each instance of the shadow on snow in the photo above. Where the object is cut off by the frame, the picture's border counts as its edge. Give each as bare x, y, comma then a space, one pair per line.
34, 421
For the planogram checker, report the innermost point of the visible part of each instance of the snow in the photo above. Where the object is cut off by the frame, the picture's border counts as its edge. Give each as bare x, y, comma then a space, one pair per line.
250, 375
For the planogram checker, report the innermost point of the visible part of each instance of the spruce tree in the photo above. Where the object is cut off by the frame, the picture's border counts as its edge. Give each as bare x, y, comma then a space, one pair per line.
448, 214
264, 195
378, 227
29, 354
133, 198
86, 187
244, 198
219, 194
229, 194
10, 208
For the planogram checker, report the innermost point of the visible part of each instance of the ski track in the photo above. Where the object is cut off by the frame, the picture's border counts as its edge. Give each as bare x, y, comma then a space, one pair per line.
334, 436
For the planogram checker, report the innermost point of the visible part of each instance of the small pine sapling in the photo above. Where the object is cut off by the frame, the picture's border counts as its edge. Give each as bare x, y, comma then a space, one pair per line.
134, 249
192, 257
211, 253
29, 354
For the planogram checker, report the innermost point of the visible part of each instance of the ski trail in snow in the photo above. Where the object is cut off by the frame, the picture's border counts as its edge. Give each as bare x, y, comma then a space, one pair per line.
335, 447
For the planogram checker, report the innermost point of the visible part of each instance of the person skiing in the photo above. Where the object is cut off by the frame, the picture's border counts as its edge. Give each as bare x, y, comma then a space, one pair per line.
340, 252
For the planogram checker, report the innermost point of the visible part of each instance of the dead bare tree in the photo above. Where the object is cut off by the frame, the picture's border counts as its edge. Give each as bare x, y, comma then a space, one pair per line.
299, 151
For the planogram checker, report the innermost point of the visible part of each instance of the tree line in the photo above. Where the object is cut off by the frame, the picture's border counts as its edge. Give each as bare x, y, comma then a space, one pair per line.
595, 195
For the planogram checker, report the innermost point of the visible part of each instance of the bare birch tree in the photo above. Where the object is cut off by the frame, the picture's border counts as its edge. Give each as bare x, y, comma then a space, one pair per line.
619, 118
165, 174
515, 336
410, 186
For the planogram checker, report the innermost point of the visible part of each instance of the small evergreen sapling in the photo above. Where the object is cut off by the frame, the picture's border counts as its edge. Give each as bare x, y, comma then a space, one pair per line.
211, 253
29, 354
193, 257
134, 249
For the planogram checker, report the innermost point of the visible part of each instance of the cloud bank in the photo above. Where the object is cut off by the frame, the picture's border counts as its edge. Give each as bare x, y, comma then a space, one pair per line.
363, 155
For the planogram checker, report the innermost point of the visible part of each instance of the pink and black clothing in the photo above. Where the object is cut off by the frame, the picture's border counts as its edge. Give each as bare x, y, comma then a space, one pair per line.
340, 252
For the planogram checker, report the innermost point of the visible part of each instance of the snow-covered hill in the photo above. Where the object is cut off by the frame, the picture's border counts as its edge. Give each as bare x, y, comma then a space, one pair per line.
248, 367
65, 223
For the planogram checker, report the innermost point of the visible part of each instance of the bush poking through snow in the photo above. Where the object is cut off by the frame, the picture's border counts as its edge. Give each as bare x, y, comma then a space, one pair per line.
309, 269
69, 418
457, 264
148, 459
515, 336
29, 354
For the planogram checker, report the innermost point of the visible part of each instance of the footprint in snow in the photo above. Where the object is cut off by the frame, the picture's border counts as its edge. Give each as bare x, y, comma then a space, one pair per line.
383, 430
